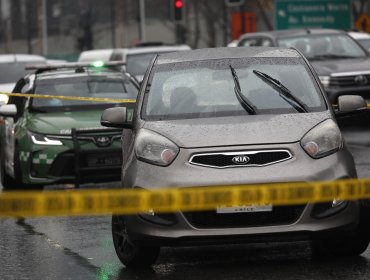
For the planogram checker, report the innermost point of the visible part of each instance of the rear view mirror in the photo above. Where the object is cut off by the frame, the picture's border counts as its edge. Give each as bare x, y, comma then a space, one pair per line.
118, 117
350, 105
8, 110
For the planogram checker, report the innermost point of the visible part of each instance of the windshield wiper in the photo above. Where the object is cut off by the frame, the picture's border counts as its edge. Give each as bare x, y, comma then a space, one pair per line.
284, 92
246, 104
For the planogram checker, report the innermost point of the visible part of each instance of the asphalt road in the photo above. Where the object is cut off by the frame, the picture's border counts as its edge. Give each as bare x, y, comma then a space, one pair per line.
82, 248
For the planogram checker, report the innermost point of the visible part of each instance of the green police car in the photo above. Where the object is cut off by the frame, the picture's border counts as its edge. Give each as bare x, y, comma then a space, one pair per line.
54, 140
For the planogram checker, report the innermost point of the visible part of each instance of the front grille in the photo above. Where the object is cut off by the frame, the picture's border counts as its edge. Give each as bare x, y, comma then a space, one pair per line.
350, 81
280, 215
64, 164
242, 158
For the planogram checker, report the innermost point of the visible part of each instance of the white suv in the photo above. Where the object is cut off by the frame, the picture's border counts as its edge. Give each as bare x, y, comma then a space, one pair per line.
12, 68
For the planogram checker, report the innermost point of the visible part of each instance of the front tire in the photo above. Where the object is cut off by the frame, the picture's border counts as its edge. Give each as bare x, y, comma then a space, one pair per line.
130, 254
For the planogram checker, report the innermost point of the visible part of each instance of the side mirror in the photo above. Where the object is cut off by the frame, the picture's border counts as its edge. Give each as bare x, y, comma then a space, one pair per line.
349, 105
118, 117
8, 110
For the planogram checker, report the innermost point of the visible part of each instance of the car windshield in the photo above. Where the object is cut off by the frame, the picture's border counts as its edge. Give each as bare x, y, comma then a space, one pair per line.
324, 46
12, 72
207, 88
365, 43
95, 86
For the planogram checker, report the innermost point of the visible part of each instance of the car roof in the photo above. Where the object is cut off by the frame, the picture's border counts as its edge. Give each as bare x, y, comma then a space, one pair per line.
60, 74
10, 58
224, 53
359, 35
293, 33
157, 49
91, 55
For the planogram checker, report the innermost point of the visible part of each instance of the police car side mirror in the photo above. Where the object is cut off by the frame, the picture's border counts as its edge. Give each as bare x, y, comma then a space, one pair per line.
8, 110
118, 117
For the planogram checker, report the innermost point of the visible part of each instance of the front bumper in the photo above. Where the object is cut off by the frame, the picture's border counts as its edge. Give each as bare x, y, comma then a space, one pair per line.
184, 231
76, 161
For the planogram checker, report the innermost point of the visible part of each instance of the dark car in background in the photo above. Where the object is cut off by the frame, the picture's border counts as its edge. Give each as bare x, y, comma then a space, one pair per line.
53, 140
234, 116
341, 63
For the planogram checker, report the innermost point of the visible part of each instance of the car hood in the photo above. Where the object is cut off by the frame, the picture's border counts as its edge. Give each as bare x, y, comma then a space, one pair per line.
63, 122
340, 66
234, 131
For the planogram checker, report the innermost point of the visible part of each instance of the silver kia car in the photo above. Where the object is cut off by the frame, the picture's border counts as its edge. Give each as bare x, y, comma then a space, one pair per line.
235, 116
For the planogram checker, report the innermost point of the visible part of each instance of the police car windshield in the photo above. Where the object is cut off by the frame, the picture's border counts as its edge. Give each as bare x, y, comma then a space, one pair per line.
114, 87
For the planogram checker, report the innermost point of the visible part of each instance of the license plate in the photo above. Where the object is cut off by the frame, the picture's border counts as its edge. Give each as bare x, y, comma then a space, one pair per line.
244, 209
103, 160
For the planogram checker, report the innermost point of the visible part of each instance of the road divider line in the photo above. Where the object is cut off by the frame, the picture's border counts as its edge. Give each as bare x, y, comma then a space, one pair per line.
73, 98
132, 201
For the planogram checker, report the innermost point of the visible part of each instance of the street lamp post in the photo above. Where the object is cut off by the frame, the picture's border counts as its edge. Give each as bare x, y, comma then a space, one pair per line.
142, 21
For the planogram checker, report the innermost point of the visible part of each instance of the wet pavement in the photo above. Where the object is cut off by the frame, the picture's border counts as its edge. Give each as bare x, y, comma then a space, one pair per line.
82, 248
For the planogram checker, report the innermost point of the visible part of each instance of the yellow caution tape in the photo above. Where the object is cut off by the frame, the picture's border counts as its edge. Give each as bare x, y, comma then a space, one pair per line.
77, 98
126, 202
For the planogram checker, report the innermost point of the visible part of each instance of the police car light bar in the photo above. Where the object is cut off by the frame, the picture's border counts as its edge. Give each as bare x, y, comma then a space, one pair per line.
95, 64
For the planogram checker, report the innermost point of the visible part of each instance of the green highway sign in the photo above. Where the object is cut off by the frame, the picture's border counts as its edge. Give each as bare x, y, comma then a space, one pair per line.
313, 14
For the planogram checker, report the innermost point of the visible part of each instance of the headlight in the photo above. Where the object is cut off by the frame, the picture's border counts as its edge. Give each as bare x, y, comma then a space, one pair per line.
325, 80
43, 140
324, 139
154, 148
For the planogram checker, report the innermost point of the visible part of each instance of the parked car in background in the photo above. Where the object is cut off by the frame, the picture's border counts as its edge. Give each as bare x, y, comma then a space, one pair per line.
12, 68
48, 141
234, 116
136, 58
361, 37
342, 64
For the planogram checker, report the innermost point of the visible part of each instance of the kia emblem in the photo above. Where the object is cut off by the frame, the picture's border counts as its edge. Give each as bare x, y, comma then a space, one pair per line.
241, 159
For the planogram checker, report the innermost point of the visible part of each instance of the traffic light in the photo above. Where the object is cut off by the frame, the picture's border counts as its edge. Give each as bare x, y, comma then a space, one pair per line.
178, 10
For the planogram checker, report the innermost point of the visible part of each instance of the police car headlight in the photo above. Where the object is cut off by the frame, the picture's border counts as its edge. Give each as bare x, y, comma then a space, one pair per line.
154, 148
43, 140
323, 140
